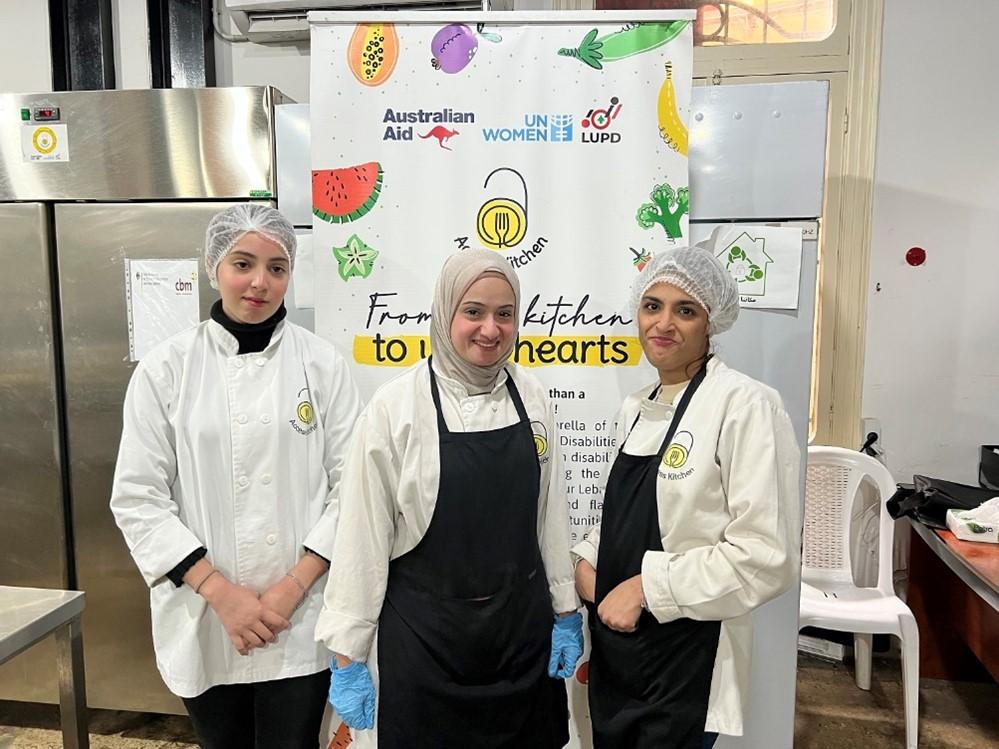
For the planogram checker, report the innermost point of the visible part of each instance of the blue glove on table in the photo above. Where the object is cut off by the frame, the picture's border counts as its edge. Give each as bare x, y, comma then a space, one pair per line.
352, 694
567, 645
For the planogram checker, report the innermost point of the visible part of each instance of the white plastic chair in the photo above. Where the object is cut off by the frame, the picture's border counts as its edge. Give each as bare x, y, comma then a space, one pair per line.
829, 597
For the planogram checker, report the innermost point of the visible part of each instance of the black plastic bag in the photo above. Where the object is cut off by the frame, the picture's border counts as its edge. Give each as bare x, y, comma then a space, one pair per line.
988, 467
928, 500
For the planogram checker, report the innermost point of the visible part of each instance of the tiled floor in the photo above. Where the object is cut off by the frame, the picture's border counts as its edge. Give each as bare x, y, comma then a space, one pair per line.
30, 726
832, 714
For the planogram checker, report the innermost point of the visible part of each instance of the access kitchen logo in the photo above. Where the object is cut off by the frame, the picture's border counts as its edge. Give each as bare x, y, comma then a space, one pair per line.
596, 125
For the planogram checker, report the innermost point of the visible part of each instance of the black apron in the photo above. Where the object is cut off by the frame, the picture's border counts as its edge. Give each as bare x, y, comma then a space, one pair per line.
648, 688
465, 631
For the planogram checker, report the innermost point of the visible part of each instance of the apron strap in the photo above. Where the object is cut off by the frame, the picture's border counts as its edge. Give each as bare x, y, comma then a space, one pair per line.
688, 394
511, 388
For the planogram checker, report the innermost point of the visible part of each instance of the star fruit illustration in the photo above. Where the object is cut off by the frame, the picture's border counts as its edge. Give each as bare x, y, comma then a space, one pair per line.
356, 259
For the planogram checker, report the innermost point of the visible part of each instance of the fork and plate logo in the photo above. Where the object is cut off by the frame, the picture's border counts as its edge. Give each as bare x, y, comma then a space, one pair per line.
501, 223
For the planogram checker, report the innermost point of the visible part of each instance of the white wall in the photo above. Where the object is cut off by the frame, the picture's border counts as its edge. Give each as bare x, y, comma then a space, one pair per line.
131, 44
932, 362
285, 66
25, 55
25, 62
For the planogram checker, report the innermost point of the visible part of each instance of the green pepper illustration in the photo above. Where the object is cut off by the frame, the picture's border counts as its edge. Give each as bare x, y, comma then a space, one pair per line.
631, 40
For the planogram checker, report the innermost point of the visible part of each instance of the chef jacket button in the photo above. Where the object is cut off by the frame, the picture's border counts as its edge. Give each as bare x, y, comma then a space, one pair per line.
239, 363
271, 539
242, 419
265, 479
260, 361
265, 419
243, 481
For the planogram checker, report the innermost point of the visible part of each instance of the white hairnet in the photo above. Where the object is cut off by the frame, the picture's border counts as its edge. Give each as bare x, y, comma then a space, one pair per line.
227, 227
699, 273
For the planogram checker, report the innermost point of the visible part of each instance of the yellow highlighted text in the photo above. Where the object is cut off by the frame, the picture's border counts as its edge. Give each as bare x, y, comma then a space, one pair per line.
531, 351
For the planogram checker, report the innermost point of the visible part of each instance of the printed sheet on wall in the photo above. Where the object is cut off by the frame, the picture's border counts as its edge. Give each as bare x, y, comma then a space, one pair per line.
559, 144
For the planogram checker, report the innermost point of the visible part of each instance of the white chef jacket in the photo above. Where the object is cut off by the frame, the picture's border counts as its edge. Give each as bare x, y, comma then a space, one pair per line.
389, 492
242, 455
728, 517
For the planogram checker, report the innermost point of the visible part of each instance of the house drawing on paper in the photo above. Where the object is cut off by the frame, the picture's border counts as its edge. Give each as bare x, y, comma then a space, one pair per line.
748, 263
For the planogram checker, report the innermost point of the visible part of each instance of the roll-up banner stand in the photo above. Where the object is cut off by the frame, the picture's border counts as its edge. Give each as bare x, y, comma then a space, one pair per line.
557, 140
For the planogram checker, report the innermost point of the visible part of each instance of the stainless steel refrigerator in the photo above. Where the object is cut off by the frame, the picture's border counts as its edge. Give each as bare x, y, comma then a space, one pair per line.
89, 180
757, 157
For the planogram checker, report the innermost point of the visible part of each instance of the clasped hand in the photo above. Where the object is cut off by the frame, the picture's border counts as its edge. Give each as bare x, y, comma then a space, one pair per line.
621, 608
250, 619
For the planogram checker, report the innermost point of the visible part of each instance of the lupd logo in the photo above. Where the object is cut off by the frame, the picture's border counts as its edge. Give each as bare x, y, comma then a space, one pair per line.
537, 128
597, 121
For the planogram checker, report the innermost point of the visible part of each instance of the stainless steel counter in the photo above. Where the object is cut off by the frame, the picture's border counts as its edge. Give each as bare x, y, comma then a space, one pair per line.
28, 615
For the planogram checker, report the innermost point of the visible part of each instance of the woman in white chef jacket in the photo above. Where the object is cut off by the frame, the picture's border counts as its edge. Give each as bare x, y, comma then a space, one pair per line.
453, 542
226, 492
699, 523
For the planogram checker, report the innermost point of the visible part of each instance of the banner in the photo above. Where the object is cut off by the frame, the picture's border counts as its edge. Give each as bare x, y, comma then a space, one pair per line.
559, 143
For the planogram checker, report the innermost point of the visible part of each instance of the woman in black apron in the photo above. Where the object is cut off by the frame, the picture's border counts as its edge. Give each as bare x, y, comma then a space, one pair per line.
675, 479
466, 630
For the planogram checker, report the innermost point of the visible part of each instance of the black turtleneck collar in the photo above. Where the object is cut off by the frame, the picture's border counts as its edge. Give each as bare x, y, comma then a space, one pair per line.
253, 337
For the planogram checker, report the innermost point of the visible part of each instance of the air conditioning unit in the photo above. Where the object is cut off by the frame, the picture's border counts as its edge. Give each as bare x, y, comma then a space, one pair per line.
286, 20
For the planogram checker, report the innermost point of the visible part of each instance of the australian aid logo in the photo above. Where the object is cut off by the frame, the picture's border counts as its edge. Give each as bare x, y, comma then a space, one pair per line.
436, 125
596, 125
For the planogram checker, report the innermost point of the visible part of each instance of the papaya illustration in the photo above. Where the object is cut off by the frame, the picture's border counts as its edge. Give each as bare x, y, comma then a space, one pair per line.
343, 195
373, 52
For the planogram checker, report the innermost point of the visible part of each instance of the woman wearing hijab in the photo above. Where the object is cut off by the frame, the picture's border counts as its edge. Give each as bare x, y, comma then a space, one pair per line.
452, 554
699, 523
226, 492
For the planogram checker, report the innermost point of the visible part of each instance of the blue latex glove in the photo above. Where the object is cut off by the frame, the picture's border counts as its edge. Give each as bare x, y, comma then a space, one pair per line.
567, 645
352, 694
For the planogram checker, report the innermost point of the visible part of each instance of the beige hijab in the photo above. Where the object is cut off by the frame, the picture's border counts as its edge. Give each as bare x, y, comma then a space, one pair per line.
459, 272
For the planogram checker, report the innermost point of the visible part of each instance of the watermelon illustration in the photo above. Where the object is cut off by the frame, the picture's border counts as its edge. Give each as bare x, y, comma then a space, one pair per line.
342, 738
343, 195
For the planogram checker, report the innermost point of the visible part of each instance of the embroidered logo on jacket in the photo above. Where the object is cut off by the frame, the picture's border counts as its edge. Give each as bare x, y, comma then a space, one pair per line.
305, 415
676, 456
540, 439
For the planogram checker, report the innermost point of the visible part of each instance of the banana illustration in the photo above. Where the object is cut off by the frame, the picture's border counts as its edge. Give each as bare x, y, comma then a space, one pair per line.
671, 127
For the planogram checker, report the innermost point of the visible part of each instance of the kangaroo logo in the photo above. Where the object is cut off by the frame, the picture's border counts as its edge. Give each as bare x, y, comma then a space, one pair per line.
442, 134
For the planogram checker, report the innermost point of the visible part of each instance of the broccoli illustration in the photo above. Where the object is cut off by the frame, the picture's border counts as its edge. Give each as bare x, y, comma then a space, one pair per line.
666, 209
